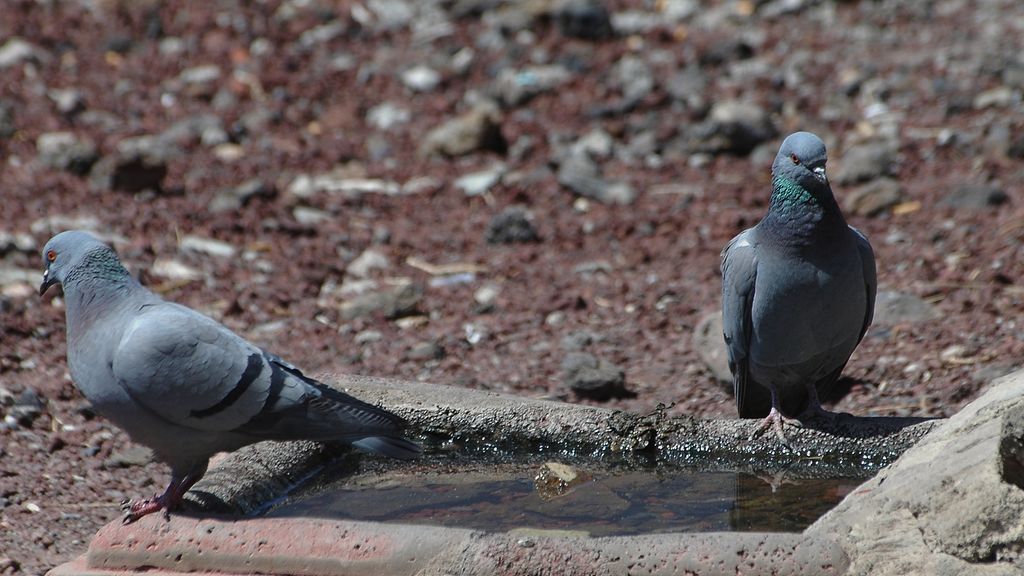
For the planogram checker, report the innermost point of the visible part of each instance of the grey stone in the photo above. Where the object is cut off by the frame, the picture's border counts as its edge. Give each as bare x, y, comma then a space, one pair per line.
139, 164
429, 350
68, 101
391, 303
392, 14
586, 19
476, 183
128, 457
592, 378
582, 175
66, 151
975, 196
421, 79
709, 343
309, 216
867, 161
479, 129
733, 127
387, 115
512, 225
321, 34
893, 308
688, 86
366, 263
207, 246
239, 196
873, 198
633, 77
340, 181
16, 51
516, 87
199, 81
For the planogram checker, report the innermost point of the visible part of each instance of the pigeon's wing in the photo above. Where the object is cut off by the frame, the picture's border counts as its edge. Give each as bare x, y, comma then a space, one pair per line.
190, 370
867, 260
299, 407
195, 373
739, 272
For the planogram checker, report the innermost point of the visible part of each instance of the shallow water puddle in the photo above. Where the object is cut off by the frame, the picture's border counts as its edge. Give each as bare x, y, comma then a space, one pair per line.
574, 499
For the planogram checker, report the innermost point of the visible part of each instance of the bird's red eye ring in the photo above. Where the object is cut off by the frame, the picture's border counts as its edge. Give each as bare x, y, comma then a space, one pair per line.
794, 158
51, 255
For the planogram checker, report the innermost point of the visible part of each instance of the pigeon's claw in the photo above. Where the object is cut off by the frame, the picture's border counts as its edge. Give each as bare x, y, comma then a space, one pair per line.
776, 422
135, 510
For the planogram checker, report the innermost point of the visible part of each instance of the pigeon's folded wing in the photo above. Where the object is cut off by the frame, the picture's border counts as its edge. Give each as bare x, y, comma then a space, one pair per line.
739, 272
190, 370
867, 259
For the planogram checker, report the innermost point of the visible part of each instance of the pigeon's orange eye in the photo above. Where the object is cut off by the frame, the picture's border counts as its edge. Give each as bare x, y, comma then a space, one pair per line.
794, 158
51, 255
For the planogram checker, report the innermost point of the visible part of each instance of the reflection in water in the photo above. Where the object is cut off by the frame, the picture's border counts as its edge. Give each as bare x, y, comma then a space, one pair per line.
609, 502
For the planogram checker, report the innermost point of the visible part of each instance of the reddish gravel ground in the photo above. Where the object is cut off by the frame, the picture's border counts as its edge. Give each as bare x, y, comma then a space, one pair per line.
936, 77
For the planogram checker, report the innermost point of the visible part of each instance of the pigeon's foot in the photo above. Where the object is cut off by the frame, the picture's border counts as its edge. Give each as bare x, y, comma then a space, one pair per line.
133, 510
776, 422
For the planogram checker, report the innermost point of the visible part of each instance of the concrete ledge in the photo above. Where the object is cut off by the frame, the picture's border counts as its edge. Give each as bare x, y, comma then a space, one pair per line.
950, 505
342, 548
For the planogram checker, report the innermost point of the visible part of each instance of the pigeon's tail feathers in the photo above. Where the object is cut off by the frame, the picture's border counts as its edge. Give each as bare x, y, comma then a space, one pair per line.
391, 446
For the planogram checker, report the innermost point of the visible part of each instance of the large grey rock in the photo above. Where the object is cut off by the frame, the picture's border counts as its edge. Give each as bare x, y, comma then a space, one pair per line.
893, 308
710, 346
581, 174
873, 198
515, 87
952, 504
592, 378
139, 164
867, 161
66, 151
975, 196
510, 226
391, 303
733, 127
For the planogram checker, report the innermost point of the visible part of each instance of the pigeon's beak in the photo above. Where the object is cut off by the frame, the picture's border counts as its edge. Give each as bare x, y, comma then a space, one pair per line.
47, 282
819, 173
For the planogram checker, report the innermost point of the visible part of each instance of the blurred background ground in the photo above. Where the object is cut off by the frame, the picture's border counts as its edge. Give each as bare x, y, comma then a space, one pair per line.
527, 197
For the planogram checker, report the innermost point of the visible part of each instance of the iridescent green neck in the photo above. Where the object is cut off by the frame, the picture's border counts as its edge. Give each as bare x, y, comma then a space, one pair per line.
787, 196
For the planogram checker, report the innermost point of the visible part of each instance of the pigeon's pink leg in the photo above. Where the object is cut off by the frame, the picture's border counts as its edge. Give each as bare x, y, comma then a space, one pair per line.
167, 501
776, 422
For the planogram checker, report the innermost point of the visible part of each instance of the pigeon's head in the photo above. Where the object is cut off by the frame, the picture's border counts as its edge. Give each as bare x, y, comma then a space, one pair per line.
65, 252
802, 160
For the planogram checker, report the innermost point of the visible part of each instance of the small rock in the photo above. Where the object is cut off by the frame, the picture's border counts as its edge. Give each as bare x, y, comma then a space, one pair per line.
421, 79
392, 14
321, 34
173, 269
66, 151
867, 161
873, 198
578, 340
485, 297
200, 81
28, 406
429, 350
688, 86
586, 19
387, 115
582, 175
7, 126
516, 87
339, 181
477, 183
478, 129
633, 77
556, 479
239, 196
975, 196
709, 343
512, 225
139, 164
999, 97
16, 51
132, 455
365, 264
394, 303
368, 337
591, 378
68, 101
208, 246
308, 216
732, 127
893, 308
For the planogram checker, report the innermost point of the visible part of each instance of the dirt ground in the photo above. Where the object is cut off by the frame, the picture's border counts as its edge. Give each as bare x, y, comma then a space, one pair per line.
269, 136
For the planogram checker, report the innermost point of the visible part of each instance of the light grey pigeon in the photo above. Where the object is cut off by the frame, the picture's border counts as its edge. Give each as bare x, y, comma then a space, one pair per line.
184, 384
798, 293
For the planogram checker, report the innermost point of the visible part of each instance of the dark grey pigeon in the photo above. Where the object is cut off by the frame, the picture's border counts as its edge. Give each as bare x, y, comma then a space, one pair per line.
798, 293
185, 385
